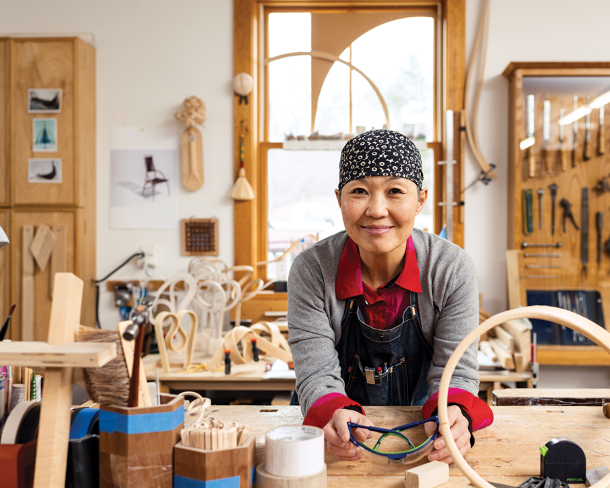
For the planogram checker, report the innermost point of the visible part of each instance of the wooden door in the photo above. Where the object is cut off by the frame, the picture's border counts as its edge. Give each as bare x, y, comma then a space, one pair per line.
34, 300
39, 64
5, 267
4, 121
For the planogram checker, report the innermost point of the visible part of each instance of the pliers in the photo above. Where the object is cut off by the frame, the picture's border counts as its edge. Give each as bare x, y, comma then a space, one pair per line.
567, 212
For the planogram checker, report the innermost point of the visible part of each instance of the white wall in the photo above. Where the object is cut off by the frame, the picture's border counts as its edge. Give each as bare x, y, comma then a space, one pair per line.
521, 30
150, 56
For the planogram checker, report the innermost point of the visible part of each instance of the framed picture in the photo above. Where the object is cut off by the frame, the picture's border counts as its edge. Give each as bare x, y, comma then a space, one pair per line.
44, 100
44, 170
45, 135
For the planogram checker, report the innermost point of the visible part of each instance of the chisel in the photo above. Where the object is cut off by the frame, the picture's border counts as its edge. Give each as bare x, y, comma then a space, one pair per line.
601, 133
546, 135
599, 223
563, 151
584, 233
528, 218
553, 187
575, 141
587, 152
530, 131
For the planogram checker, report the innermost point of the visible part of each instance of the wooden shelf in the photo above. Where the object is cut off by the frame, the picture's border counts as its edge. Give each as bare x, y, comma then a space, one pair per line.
573, 356
41, 354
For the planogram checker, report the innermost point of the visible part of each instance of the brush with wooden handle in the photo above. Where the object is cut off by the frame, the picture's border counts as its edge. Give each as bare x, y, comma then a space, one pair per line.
601, 133
575, 137
139, 317
546, 135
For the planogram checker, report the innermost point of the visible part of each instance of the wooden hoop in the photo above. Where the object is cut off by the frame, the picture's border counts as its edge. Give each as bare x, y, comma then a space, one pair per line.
576, 322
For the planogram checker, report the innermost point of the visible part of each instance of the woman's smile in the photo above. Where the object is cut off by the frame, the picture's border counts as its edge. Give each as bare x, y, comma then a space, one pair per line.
377, 230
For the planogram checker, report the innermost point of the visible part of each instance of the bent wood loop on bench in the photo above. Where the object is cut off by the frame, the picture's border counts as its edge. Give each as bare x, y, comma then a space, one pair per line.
576, 322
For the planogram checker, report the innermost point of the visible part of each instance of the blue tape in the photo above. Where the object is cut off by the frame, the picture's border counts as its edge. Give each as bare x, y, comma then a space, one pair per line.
252, 476
111, 422
84, 422
184, 482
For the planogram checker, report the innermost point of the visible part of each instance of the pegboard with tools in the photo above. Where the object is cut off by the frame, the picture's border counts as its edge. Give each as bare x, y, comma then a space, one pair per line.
559, 175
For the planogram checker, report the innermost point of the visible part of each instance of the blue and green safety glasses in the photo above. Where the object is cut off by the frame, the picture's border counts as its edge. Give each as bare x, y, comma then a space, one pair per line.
379, 453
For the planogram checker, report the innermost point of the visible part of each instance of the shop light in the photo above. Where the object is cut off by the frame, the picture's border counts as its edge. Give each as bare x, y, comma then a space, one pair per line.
601, 100
529, 142
574, 116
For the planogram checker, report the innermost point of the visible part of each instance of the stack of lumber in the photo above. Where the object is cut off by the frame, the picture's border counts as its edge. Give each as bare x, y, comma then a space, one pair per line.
508, 343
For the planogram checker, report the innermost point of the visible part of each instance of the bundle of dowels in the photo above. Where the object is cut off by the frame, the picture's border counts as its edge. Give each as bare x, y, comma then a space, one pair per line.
215, 435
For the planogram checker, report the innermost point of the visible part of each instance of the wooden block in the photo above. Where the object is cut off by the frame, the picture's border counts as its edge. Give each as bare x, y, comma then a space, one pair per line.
427, 475
505, 338
504, 358
596, 474
142, 459
41, 354
513, 278
210, 465
486, 349
521, 363
53, 434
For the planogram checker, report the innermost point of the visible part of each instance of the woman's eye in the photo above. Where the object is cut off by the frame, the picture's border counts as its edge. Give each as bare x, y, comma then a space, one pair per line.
396, 191
359, 191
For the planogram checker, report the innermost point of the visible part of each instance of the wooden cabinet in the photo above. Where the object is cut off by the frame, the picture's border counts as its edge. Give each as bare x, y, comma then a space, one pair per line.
5, 265
66, 203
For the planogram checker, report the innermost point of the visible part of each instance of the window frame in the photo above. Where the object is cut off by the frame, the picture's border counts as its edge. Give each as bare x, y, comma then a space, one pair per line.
250, 51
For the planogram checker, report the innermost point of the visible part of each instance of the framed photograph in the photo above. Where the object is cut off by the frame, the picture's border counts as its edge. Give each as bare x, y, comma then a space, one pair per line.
44, 100
45, 135
44, 170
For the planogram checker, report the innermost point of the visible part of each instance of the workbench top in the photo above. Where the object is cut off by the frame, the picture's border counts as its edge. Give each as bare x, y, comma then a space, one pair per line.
507, 450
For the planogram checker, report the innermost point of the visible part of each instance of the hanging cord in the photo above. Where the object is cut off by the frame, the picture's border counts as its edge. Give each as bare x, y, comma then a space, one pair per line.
97, 285
487, 173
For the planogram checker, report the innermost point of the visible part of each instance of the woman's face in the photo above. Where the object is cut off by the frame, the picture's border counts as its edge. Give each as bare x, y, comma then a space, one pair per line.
379, 211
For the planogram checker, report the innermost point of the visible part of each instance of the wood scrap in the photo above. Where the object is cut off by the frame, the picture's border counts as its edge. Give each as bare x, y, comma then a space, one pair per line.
522, 336
486, 349
504, 358
429, 475
505, 338
42, 246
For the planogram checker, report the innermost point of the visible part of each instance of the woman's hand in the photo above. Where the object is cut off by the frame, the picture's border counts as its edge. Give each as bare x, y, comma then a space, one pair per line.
459, 431
336, 434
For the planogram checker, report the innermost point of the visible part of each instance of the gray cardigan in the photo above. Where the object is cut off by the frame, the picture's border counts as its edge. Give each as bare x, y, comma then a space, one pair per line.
448, 308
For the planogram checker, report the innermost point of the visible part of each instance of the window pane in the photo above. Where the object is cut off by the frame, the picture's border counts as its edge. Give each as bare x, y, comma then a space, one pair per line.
367, 108
289, 97
333, 105
302, 195
399, 58
425, 219
289, 33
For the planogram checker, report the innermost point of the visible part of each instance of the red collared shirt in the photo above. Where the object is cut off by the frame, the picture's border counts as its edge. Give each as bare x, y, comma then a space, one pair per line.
381, 308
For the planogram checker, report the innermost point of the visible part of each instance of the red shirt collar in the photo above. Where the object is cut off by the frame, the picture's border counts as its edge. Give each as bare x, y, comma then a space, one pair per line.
349, 274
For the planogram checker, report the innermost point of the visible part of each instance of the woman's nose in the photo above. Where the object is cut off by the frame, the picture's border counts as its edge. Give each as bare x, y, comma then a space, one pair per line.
377, 207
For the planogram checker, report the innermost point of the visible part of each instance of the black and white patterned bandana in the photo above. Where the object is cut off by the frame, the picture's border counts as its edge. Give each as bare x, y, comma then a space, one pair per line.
380, 153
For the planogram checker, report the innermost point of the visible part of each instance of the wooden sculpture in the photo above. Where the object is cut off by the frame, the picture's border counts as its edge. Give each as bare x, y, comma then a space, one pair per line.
193, 114
276, 346
552, 314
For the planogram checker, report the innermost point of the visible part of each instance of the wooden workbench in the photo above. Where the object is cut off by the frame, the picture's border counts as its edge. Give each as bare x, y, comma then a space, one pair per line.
243, 377
551, 396
506, 451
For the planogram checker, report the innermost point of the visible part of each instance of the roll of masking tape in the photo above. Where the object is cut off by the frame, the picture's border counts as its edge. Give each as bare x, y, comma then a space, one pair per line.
294, 451
86, 421
21, 425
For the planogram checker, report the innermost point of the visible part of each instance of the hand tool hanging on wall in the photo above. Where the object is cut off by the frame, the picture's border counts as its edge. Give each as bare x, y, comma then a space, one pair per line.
544, 244
599, 223
530, 133
563, 150
584, 234
542, 255
528, 219
575, 140
601, 133
603, 185
540, 192
553, 187
546, 137
588, 151
542, 266
567, 213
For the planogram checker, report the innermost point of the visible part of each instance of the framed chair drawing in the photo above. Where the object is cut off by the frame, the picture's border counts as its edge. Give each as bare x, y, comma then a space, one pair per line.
153, 176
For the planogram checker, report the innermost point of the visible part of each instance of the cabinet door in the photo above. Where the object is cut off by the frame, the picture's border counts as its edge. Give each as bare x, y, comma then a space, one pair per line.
33, 295
5, 268
42, 64
4, 121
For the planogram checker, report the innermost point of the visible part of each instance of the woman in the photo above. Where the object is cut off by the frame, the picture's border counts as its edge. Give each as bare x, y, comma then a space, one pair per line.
375, 312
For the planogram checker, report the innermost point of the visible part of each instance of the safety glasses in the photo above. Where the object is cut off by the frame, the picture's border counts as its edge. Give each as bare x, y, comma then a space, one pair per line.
401, 450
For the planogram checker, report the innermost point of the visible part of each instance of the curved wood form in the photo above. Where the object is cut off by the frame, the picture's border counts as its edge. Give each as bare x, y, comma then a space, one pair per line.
557, 315
192, 159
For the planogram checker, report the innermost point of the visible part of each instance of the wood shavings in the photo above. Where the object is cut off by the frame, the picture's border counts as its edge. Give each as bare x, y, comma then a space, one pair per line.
193, 112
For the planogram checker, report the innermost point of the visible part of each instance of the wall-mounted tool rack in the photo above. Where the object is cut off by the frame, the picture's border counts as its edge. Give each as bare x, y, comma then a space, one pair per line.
573, 156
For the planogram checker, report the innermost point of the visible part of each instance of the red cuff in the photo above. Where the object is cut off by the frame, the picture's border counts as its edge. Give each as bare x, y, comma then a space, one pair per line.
480, 413
324, 407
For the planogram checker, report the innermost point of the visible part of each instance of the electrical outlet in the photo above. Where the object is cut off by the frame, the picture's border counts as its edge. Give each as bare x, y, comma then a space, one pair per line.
150, 256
